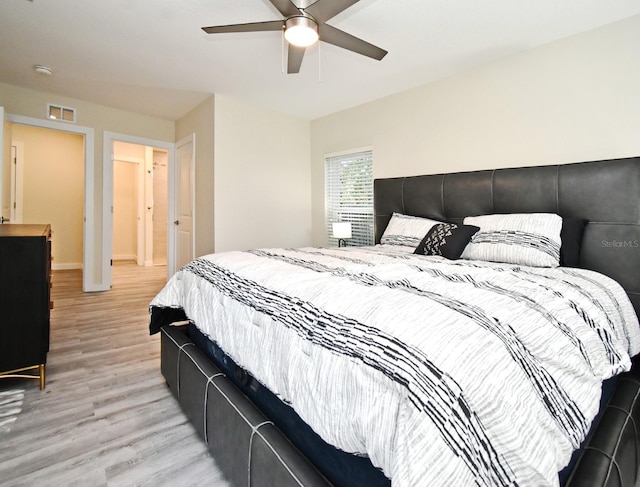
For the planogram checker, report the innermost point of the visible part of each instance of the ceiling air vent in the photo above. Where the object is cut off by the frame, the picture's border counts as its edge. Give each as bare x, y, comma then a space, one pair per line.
58, 112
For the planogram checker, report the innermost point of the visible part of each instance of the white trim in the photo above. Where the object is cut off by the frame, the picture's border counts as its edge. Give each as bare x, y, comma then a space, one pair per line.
89, 282
140, 241
171, 211
171, 203
66, 267
17, 182
107, 193
132, 257
348, 151
146, 217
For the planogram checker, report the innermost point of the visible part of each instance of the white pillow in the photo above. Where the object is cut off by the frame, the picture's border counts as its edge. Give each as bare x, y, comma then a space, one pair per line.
531, 239
406, 232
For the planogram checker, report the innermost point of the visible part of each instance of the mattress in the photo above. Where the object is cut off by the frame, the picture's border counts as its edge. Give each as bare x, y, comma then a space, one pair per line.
383, 357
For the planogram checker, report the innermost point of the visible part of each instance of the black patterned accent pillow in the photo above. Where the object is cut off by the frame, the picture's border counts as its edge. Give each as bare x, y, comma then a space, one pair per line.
571, 237
446, 239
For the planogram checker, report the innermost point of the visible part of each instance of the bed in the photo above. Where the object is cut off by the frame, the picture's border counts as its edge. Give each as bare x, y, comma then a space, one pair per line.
438, 427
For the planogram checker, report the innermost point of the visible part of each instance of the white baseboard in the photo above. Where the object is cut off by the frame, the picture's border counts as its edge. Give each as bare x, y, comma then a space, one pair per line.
133, 257
66, 267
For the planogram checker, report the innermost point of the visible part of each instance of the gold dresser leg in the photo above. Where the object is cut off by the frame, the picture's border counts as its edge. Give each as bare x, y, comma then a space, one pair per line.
18, 373
41, 370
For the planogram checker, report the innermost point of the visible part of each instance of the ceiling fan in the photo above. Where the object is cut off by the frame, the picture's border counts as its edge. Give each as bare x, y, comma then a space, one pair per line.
303, 26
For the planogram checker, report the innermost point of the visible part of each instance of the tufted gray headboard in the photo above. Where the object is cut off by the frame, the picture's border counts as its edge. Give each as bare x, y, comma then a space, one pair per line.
606, 193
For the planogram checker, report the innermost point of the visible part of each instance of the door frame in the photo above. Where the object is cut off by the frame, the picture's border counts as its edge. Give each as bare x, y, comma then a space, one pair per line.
89, 283
173, 206
107, 196
3, 147
17, 181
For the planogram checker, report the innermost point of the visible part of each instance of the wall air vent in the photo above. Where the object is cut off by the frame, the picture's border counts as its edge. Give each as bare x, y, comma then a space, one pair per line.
58, 112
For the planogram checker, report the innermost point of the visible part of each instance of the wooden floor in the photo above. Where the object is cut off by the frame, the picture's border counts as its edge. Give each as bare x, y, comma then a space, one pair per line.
106, 417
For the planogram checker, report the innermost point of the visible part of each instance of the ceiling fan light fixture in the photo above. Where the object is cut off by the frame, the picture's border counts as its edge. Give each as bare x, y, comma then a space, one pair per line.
301, 31
301, 24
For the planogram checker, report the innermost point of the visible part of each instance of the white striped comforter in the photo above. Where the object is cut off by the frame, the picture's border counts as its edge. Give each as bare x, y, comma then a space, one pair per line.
442, 372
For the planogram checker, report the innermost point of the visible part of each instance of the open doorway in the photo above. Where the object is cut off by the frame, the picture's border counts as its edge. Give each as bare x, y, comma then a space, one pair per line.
47, 186
147, 166
140, 188
90, 277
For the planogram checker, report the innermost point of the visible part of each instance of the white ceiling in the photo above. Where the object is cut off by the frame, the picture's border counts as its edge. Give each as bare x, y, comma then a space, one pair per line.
151, 56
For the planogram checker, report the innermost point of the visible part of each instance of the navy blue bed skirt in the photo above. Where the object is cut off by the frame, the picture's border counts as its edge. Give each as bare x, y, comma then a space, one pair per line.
340, 468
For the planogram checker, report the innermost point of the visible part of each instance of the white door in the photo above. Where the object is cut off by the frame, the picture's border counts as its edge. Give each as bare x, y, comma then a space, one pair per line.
17, 181
6, 171
184, 201
3, 207
160, 207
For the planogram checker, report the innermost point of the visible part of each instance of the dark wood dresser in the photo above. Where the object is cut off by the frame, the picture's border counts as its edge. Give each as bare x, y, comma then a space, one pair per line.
25, 300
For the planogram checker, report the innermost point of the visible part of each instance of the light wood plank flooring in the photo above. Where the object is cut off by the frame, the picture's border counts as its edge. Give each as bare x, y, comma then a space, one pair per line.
106, 417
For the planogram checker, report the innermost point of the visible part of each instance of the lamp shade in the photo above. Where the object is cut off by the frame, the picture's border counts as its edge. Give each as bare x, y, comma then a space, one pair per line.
341, 229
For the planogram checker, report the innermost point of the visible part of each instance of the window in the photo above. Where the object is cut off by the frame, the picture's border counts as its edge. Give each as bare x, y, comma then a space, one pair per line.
349, 196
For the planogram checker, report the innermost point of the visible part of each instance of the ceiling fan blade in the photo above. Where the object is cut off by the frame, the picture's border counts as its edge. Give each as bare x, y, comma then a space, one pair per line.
294, 58
250, 27
324, 10
341, 39
285, 7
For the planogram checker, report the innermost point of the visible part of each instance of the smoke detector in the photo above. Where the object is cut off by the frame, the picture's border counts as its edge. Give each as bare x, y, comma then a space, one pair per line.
42, 70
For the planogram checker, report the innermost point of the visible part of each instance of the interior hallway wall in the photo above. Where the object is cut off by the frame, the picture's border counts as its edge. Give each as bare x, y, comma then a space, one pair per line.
31, 103
54, 188
262, 178
128, 162
125, 210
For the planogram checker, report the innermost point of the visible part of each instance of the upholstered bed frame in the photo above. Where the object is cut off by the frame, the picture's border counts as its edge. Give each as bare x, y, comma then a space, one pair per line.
606, 193
252, 451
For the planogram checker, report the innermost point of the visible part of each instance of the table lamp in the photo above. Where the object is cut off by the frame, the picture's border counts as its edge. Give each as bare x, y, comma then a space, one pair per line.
341, 230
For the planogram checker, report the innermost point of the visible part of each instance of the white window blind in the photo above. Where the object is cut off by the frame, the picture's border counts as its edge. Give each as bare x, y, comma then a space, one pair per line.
349, 196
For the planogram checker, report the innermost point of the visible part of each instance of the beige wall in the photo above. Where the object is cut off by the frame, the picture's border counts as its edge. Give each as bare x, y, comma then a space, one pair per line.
267, 151
262, 178
54, 188
30, 103
199, 121
125, 210
126, 151
129, 160
140, 188
573, 100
